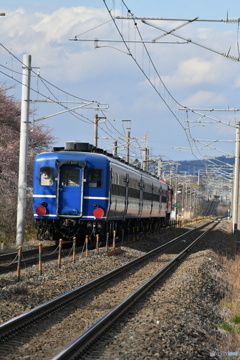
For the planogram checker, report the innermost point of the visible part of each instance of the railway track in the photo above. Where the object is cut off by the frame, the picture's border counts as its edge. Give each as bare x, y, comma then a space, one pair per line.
9, 261
72, 313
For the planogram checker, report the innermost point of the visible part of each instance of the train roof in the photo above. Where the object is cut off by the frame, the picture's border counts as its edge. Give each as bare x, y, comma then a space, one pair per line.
66, 155
88, 150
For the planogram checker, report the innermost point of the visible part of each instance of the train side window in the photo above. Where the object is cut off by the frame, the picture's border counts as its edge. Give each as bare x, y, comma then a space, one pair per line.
95, 178
46, 176
70, 177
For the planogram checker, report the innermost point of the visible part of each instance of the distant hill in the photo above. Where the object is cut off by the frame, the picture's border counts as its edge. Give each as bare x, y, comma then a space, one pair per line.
192, 167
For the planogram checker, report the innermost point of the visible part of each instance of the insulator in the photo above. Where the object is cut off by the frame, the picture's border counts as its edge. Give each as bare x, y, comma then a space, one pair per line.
96, 43
233, 20
234, 58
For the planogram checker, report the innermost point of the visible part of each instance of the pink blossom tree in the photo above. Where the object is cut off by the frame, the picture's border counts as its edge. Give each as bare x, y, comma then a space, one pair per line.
40, 139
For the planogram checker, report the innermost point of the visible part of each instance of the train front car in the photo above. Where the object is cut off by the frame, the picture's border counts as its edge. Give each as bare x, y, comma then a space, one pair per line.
70, 192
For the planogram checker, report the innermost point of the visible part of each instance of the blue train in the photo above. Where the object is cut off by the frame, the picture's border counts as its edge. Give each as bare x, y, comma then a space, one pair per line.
82, 190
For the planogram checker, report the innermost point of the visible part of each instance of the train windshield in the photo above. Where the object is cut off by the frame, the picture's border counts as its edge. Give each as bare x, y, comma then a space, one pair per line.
46, 176
95, 178
70, 177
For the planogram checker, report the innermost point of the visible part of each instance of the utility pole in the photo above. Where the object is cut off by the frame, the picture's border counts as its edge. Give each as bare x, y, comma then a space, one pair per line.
95, 128
115, 148
235, 200
23, 152
145, 159
175, 197
128, 146
159, 168
128, 129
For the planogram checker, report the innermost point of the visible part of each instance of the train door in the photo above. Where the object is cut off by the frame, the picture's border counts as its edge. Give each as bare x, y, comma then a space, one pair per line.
70, 189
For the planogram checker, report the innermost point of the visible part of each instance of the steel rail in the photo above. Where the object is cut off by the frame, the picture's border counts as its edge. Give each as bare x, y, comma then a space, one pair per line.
4, 268
12, 255
10, 327
80, 344
26, 262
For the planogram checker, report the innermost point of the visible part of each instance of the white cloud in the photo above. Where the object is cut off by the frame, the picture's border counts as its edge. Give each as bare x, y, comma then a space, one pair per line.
196, 77
65, 22
194, 71
204, 33
204, 99
46, 37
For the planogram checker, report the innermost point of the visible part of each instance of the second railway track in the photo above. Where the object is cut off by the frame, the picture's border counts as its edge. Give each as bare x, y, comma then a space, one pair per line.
59, 328
9, 261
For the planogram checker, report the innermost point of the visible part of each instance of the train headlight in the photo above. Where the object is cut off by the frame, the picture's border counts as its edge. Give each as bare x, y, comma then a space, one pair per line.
41, 210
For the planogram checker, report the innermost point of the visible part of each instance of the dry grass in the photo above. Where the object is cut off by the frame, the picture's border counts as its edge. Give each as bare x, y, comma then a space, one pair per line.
230, 305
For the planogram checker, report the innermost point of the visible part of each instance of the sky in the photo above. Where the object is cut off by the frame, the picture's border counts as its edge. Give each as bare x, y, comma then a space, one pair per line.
167, 92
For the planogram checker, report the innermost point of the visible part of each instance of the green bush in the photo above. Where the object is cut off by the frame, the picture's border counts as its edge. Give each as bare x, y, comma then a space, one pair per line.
236, 319
226, 326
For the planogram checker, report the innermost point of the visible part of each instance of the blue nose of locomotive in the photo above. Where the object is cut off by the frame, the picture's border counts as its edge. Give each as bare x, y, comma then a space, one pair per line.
70, 184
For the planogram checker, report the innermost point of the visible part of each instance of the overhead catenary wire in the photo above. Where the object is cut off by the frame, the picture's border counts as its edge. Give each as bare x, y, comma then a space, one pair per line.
54, 99
39, 76
90, 120
131, 17
227, 55
151, 61
45, 82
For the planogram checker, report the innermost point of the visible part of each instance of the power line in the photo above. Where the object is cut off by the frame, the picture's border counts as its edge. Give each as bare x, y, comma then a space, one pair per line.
152, 63
227, 55
54, 99
164, 92
44, 82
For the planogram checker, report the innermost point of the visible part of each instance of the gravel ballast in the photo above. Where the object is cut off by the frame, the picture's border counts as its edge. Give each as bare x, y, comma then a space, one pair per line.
177, 320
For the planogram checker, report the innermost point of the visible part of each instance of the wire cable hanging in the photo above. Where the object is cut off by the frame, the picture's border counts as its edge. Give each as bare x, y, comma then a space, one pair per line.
155, 70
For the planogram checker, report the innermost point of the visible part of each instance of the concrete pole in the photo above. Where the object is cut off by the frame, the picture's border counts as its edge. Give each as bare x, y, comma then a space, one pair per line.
23, 151
115, 148
190, 196
128, 146
147, 165
95, 129
145, 159
159, 171
235, 201
175, 197
186, 189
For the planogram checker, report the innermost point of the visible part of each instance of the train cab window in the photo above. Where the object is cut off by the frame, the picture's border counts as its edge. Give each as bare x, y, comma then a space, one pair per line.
70, 177
95, 178
46, 176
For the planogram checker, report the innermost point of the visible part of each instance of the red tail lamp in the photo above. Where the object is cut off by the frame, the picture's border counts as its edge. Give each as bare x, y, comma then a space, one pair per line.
98, 213
41, 210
